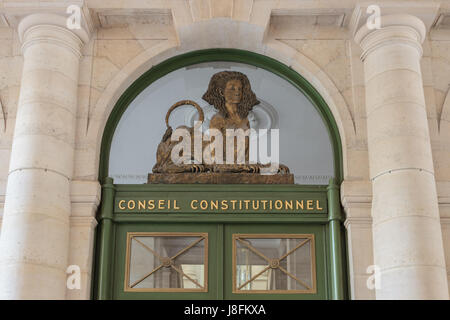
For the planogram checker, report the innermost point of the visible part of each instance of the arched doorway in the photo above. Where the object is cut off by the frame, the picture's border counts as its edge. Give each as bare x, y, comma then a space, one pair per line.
290, 250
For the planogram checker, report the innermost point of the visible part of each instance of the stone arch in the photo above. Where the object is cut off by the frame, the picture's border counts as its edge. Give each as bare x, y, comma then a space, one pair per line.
246, 36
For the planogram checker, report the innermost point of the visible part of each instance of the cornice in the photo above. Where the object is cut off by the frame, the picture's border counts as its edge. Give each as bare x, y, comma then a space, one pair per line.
426, 10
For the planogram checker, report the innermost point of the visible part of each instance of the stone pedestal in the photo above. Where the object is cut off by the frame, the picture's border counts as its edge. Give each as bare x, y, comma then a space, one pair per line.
34, 243
407, 236
219, 178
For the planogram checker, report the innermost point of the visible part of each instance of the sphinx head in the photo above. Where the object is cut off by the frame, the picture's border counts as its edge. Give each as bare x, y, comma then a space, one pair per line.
231, 87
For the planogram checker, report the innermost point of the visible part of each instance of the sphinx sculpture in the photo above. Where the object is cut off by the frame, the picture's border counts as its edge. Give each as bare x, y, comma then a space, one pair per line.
231, 95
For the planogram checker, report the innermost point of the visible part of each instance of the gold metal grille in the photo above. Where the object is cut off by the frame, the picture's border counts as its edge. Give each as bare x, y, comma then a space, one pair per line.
166, 262
274, 263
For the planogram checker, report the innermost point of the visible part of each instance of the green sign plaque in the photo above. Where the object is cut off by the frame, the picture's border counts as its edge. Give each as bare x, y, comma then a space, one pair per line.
234, 203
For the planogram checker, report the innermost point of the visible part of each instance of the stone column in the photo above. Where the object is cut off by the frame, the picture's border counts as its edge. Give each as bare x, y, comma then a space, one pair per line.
407, 236
34, 243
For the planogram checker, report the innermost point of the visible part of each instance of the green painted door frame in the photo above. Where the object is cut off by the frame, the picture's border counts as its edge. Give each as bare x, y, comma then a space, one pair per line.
111, 223
114, 224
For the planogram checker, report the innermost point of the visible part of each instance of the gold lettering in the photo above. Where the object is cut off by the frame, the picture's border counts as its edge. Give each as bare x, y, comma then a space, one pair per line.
224, 205
264, 202
318, 206
288, 204
278, 204
172, 204
203, 204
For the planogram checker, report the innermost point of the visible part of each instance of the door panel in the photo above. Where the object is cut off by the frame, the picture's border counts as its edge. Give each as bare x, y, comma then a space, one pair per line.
219, 261
167, 261
274, 262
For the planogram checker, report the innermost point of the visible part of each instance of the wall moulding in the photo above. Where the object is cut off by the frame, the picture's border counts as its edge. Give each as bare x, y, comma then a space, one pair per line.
426, 11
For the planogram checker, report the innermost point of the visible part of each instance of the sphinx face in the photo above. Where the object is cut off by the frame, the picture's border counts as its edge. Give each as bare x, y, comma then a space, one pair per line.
233, 91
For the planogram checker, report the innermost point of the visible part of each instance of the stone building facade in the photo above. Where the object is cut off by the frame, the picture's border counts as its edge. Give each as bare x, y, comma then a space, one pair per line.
387, 89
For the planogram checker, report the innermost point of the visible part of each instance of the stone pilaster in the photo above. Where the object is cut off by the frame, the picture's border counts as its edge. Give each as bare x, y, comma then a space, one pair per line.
34, 243
407, 236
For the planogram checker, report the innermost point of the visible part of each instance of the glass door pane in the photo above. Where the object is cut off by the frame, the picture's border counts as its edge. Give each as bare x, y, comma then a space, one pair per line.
274, 263
168, 261
171, 262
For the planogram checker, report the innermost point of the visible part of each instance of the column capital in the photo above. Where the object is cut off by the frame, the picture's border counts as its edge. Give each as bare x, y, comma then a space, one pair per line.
395, 28
46, 27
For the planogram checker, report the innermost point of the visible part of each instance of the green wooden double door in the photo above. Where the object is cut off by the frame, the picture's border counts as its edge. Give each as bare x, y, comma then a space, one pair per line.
220, 260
